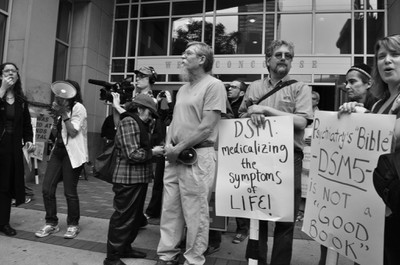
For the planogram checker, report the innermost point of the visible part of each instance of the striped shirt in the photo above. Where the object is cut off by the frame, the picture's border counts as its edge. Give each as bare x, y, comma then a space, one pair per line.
133, 161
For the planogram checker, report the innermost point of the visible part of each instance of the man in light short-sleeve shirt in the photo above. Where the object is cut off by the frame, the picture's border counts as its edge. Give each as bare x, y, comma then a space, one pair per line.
293, 100
197, 111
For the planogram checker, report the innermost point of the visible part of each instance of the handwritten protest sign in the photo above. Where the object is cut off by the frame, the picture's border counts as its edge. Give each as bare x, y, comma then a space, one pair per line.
42, 134
343, 211
43, 127
255, 169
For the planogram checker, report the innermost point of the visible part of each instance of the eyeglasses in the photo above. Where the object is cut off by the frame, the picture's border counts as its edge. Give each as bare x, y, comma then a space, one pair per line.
280, 55
6, 71
234, 87
141, 76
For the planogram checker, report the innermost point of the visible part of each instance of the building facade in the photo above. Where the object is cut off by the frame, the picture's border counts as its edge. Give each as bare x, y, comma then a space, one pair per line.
107, 40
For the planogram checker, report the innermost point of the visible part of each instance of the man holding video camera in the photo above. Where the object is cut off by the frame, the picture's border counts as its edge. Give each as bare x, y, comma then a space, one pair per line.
197, 111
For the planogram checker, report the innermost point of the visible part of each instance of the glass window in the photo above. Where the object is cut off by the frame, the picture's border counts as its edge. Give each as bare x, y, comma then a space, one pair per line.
62, 40
269, 29
294, 5
333, 5
4, 5
209, 7
358, 34
208, 31
154, 10
116, 78
358, 60
60, 61
235, 6
119, 42
372, 4
63, 24
122, 1
187, 8
297, 29
122, 11
131, 65
183, 31
328, 31
153, 37
375, 29
3, 23
239, 34
132, 38
118, 66
174, 78
134, 11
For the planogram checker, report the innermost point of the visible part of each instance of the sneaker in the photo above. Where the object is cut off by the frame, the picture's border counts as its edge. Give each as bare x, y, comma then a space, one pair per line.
239, 238
72, 231
46, 230
28, 199
212, 249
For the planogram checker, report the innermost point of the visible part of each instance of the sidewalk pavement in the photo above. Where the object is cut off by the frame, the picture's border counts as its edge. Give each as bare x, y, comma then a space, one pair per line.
89, 247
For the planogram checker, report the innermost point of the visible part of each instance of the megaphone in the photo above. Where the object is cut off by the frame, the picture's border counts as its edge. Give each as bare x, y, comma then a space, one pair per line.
63, 89
188, 156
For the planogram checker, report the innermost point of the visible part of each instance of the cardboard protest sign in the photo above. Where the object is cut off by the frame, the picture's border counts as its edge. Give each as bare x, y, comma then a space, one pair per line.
343, 210
255, 176
43, 127
42, 130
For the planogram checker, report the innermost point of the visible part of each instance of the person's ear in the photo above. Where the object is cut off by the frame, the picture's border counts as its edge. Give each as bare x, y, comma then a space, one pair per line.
202, 59
369, 84
241, 93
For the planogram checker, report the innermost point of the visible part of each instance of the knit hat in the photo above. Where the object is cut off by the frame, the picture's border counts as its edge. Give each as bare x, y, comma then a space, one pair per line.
362, 68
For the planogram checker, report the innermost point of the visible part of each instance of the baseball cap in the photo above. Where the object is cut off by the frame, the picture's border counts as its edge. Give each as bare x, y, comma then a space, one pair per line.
146, 70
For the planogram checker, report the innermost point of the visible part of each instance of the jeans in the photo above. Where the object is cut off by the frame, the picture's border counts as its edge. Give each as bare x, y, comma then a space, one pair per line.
242, 225
186, 193
59, 168
283, 233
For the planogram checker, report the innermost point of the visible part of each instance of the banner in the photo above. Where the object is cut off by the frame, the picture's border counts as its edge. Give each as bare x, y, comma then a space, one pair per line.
255, 176
343, 210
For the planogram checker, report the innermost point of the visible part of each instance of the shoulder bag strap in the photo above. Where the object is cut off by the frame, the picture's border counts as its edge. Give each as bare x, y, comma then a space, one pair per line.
276, 89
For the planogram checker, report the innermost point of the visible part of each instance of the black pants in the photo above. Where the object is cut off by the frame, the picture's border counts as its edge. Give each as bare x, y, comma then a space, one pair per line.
7, 172
155, 204
126, 220
283, 232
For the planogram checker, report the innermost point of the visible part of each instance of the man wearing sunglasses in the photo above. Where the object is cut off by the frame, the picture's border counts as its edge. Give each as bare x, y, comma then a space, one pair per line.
292, 99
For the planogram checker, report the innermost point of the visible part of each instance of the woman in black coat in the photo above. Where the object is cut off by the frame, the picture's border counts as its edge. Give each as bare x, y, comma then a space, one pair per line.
15, 131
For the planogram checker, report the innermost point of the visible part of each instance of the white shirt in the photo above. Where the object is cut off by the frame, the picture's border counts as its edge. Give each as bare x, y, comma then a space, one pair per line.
77, 147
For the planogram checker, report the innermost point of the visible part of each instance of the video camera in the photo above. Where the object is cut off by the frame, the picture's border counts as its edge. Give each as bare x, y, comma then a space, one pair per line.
124, 88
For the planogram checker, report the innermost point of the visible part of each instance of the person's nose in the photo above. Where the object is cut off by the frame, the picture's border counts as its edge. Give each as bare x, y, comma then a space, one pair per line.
388, 58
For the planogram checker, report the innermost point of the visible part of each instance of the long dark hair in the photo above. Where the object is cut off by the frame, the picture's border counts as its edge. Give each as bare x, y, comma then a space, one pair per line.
17, 88
78, 96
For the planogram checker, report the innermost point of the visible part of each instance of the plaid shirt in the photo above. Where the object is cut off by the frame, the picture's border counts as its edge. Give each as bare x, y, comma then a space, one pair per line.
133, 162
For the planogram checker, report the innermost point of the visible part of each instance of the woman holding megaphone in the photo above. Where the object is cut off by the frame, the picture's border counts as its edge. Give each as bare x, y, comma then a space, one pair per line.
67, 158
